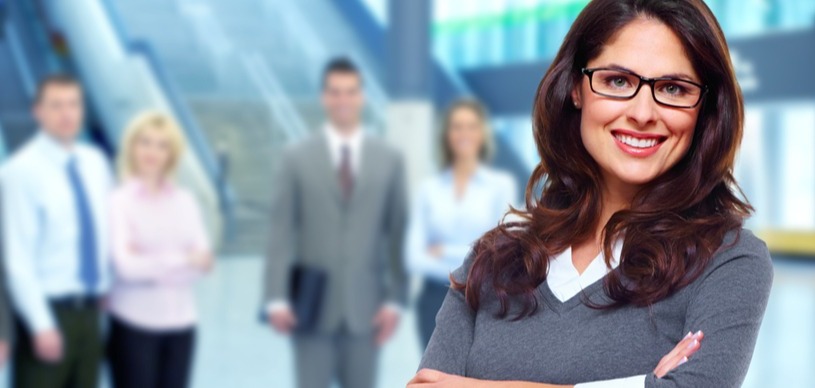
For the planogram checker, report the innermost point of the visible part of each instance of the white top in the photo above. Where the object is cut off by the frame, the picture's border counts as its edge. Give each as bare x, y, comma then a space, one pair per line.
336, 141
41, 230
439, 218
565, 282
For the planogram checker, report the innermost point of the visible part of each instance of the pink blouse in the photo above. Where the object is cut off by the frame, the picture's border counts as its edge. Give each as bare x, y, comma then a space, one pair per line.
154, 235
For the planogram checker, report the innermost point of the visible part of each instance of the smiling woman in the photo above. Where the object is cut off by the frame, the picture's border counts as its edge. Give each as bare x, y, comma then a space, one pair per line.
631, 267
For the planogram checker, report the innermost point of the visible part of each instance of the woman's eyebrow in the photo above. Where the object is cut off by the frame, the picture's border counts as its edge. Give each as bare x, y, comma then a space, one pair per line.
619, 67
679, 75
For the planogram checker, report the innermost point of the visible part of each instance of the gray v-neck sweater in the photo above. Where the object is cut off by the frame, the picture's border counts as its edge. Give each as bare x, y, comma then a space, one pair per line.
569, 343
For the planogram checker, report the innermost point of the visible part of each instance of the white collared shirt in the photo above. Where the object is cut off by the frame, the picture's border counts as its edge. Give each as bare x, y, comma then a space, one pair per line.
565, 282
337, 140
40, 226
439, 218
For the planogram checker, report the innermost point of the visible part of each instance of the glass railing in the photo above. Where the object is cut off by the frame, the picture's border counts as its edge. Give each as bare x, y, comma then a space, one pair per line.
280, 106
193, 132
281, 71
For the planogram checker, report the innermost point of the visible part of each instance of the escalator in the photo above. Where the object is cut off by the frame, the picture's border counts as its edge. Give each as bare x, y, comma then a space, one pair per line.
15, 121
121, 78
250, 71
22, 61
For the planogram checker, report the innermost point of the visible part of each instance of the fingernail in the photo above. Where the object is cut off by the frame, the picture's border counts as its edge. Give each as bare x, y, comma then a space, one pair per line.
682, 361
687, 335
698, 333
692, 344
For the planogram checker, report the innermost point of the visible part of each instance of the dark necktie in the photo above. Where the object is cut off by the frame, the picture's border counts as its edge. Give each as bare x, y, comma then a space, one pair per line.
346, 176
88, 266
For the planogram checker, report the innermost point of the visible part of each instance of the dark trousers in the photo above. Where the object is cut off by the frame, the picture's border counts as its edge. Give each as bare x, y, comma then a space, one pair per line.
80, 328
428, 305
149, 359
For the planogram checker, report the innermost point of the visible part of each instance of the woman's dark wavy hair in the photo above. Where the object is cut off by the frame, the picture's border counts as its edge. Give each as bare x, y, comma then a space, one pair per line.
675, 223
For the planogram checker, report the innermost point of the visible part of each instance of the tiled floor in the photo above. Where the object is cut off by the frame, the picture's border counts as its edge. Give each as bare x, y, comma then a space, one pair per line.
235, 351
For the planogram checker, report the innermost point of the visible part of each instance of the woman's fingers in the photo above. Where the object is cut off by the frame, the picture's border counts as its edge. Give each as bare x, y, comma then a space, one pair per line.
680, 353
681, 346
425, 376
670, 364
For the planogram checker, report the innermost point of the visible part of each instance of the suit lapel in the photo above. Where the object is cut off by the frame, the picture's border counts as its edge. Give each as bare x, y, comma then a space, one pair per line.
328, 174
366, 170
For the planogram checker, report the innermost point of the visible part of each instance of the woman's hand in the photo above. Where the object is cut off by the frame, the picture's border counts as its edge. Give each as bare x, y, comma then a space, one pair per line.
202, 261
429, 378
680, 354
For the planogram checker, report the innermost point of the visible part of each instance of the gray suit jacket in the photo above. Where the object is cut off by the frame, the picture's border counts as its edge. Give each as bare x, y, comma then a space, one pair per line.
358, 242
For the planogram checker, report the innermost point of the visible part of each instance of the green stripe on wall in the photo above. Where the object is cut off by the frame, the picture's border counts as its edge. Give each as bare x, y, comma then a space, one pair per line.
513, 17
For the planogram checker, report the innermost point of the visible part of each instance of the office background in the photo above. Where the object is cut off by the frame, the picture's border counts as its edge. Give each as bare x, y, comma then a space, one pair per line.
242, 77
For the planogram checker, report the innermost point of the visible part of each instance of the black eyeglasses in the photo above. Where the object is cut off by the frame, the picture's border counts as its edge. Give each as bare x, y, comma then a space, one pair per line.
624, 84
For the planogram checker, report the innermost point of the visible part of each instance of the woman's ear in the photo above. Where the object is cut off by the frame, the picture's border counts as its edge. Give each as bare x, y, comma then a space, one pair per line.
576, 100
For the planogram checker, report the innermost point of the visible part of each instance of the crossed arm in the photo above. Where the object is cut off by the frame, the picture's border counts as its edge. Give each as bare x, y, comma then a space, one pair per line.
430, 378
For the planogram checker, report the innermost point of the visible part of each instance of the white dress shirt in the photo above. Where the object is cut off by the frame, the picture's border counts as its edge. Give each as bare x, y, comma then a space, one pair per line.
439, 218
565, 282
337, 140
41, 229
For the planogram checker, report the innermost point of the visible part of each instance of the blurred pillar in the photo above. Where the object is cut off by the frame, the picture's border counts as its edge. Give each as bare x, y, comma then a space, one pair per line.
409, 75
409, 60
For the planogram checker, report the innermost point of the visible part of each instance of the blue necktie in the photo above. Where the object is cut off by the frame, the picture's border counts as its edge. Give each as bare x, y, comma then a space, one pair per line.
88, 267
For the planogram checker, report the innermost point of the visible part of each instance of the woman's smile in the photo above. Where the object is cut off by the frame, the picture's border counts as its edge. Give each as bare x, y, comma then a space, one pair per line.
636, 144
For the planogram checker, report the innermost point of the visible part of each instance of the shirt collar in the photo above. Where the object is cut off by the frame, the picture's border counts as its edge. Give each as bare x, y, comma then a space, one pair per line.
479, 175
138, 187
53, 150
335, 139
564, 261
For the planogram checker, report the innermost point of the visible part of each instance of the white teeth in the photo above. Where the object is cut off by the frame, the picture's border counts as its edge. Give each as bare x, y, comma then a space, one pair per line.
634, 142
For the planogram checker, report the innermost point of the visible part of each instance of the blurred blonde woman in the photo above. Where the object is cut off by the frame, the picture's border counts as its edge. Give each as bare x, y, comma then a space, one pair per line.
160, 249
455, 207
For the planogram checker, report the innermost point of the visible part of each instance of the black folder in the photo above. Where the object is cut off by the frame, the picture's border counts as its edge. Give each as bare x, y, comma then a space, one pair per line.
306, 294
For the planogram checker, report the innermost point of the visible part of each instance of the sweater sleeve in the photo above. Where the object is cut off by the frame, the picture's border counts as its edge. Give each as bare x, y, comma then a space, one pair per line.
197, 242
450, 343
728, 307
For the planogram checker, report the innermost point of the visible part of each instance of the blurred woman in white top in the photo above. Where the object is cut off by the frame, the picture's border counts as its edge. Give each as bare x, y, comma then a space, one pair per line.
160, 249
455, 207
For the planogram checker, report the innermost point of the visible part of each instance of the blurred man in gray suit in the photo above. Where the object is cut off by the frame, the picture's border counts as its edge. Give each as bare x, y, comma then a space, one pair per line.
339, 206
